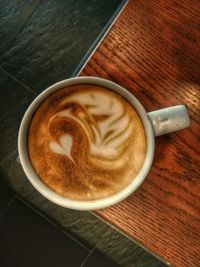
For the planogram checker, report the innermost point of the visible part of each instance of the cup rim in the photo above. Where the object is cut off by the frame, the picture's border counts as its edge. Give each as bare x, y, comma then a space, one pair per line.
85, 204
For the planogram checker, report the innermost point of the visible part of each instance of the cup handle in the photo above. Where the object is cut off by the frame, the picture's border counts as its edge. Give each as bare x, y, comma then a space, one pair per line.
169, 120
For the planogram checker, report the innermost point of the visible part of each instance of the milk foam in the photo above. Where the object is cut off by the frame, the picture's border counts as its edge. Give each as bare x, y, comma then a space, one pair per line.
105, 135
63, 147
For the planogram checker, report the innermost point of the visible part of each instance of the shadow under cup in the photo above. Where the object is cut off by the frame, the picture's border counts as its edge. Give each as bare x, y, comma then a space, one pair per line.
81, 204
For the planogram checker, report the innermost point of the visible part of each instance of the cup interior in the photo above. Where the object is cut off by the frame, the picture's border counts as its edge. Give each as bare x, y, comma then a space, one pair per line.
91, 204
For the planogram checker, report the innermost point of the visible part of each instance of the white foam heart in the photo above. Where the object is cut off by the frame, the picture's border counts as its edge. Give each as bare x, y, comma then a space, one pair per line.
63, 147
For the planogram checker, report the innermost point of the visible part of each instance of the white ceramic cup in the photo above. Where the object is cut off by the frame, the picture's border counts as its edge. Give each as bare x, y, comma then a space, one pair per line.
155, 123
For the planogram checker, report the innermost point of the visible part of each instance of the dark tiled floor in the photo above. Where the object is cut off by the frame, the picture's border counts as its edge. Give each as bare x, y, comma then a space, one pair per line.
6, 194
43, 42
14, 100
55, 39
13, 16
97, 259
29, 240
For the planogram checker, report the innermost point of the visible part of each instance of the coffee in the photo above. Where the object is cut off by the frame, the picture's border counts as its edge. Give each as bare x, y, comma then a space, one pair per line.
86, 142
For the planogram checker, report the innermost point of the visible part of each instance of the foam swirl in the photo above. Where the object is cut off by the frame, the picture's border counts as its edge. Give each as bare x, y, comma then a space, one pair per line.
104, 120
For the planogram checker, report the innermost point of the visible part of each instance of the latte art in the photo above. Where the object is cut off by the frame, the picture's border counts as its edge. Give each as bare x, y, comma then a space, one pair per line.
86, 142
64, 148
104, 121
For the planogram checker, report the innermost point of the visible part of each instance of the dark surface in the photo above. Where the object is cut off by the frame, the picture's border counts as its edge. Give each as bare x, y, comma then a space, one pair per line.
54, 40
43, 42
13, 16
27, 239
14, 99
97, 259
6, 194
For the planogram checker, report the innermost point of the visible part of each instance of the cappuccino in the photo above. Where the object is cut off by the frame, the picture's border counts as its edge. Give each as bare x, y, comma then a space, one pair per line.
86, 142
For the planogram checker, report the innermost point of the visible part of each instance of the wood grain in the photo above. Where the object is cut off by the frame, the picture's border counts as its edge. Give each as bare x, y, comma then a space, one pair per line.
154, 51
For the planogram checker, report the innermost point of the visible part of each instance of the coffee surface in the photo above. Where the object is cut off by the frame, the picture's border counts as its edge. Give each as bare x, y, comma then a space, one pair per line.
86, 142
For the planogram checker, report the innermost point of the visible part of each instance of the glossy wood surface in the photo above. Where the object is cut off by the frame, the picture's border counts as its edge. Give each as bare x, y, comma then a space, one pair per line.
153, 50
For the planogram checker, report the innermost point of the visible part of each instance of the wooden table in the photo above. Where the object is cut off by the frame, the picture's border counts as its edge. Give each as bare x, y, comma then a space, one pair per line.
154, 51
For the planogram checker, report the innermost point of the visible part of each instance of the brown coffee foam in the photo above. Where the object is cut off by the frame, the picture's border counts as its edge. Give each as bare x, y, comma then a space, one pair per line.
85, 176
